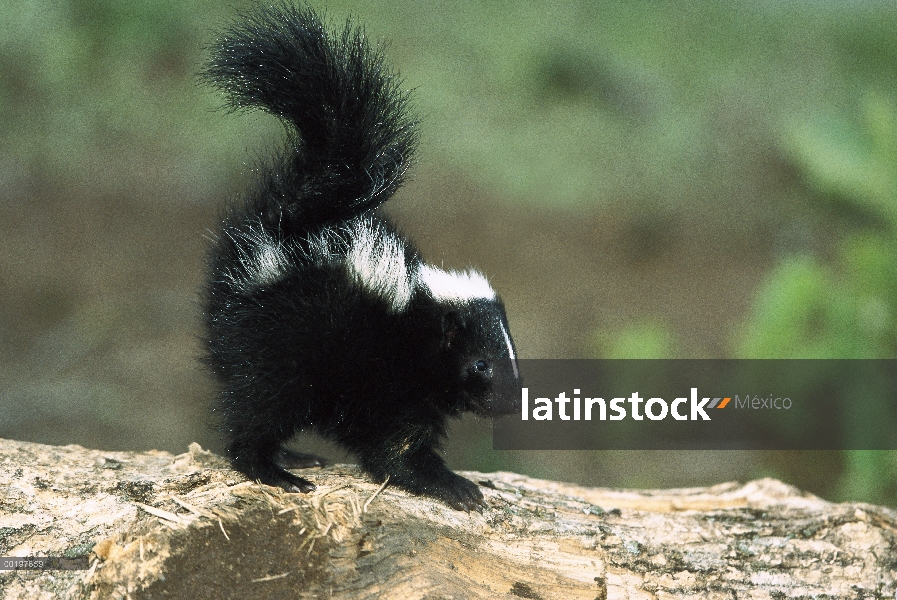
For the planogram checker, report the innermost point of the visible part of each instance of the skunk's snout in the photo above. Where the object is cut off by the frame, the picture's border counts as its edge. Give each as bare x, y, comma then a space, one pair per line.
506, 387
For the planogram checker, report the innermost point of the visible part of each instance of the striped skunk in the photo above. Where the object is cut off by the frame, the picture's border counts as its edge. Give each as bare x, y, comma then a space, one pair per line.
319, 315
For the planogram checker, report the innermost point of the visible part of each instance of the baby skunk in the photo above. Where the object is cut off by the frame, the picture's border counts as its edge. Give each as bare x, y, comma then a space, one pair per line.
319, 315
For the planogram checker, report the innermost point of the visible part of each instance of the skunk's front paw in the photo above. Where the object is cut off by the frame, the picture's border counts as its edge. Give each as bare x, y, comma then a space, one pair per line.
458, 492
293, 484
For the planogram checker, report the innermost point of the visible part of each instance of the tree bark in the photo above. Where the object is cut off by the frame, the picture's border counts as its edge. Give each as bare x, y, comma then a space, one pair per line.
155, 525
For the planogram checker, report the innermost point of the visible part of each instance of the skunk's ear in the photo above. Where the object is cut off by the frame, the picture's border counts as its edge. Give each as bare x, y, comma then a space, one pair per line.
452, 325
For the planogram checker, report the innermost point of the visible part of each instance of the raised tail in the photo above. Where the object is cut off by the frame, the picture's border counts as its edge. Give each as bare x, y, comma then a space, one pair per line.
350, 139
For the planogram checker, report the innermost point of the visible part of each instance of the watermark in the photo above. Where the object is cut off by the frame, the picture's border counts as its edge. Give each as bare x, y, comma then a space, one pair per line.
43, 563
701, 404
655, 409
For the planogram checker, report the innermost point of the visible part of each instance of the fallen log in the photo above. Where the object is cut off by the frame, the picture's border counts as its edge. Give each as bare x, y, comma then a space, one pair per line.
156, 525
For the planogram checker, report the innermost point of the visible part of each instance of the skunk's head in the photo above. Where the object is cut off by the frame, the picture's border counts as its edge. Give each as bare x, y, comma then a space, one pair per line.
476, 350
481, 356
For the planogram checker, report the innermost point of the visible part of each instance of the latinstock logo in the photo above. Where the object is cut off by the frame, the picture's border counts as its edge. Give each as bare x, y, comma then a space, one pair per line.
655, 409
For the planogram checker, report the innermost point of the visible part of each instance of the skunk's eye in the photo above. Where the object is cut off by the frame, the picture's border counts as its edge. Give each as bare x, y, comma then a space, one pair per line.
481, 366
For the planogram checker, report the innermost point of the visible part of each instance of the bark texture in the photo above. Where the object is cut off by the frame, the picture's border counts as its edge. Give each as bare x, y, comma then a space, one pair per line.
155, 525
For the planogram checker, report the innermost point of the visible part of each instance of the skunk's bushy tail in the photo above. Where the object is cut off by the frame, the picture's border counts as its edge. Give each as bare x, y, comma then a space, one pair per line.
350, 139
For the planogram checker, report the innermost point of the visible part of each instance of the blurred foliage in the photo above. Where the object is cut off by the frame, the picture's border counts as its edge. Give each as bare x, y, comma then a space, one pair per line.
845, 307
636, 106
648, 338
640, 107
93, 88
853, 161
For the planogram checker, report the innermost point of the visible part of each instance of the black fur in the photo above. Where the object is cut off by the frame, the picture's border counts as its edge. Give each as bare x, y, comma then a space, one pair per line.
319, 315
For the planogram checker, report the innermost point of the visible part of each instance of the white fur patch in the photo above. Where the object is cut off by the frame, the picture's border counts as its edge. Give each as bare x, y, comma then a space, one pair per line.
264, 260
376, 260
504, 332
325, 248
455, 286
269, 264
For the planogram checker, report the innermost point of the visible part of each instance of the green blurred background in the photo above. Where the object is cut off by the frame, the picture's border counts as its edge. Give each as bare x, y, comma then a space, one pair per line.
701, 179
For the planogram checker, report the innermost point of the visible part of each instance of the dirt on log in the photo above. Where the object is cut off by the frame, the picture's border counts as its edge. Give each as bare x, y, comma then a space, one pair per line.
155, 525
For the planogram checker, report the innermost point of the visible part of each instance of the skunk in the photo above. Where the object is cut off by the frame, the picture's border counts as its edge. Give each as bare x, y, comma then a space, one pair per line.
319, 315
